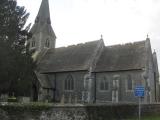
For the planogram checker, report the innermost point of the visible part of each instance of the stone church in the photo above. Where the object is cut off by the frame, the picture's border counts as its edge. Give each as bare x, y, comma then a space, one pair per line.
90, 72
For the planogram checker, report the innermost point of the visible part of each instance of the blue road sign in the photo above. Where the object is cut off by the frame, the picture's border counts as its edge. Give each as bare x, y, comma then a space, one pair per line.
139, 91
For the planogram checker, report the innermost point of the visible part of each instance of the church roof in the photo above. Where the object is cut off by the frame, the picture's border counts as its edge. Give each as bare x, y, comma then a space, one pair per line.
122, 57
130, 56
71, 58
44, 81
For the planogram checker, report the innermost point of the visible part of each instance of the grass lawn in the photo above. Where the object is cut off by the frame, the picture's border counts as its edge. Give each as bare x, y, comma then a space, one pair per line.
147, 118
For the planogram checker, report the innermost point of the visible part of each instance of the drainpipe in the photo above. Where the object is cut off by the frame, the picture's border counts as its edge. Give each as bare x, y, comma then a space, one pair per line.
95, 88
54, 89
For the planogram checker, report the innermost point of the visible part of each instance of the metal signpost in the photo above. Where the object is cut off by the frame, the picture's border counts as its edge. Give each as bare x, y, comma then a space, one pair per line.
139, 92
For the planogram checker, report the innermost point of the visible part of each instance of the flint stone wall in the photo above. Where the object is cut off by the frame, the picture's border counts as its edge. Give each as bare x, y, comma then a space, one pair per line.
75, 112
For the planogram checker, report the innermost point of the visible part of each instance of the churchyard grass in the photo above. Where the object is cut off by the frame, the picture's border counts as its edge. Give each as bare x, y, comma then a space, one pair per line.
147, 118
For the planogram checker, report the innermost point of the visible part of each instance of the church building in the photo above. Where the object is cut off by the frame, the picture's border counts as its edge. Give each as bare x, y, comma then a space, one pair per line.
90, 72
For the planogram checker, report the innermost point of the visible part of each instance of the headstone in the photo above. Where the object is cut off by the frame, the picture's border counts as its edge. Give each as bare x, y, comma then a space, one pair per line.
25, 99
62, 99
70, 98
75, 99
4, 98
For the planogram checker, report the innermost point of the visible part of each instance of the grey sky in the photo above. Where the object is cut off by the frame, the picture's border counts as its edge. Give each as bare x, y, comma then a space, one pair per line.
119, 21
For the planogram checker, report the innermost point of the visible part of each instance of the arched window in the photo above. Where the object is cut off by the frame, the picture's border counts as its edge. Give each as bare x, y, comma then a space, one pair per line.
33, 44
69, 83
129, 82
104, 84
47, 43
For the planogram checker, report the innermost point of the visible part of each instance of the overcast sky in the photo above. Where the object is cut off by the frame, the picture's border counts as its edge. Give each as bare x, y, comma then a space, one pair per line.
119, 21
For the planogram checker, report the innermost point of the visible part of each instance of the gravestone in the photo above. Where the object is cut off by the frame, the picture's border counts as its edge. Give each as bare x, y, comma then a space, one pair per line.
70, 98
62, 99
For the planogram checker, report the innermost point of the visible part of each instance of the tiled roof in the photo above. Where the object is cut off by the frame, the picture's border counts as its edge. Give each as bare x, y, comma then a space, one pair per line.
122, 57
78, 57
71, 58
44, 81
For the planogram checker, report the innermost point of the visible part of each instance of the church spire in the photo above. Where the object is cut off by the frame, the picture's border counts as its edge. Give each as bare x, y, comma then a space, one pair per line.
43, 35
44, 13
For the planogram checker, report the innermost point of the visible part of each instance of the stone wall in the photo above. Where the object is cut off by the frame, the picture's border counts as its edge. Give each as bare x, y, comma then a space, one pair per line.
97, 95
124, 95
78, 86
75, 112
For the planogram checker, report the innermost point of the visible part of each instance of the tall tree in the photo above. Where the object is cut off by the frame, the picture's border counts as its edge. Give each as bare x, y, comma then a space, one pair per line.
16, 64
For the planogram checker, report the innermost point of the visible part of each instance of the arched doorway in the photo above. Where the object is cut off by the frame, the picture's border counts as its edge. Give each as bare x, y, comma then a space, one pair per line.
35, 92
